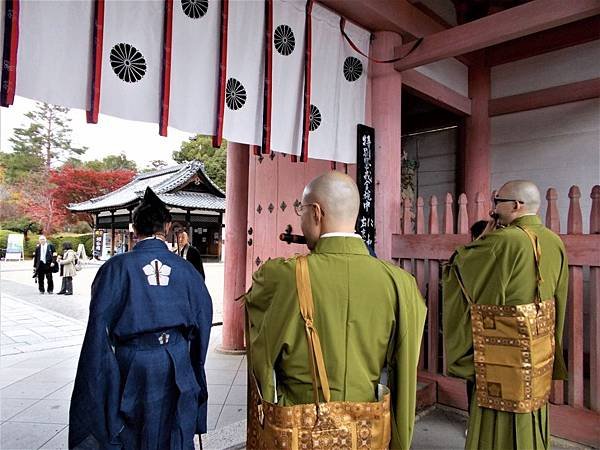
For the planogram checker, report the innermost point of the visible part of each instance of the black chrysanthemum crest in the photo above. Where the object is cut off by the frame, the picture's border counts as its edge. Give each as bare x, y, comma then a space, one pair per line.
127, 62
235, 94
353, 68
194, 8
314, 118
284, 40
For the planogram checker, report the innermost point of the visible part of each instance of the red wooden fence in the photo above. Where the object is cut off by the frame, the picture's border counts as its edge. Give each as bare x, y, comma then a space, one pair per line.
422, 248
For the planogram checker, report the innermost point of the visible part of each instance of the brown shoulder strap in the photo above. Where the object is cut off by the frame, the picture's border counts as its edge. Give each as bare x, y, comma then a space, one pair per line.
315, 354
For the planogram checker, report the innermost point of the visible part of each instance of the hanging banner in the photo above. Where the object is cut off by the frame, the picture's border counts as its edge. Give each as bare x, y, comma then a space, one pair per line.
338, 91
352, 82
54, 58
365, 179
287, 77
195, 66
325, 54
132, 59
243, 112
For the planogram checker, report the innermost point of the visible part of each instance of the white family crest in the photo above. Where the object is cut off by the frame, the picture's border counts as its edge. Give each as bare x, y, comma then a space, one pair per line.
157, 273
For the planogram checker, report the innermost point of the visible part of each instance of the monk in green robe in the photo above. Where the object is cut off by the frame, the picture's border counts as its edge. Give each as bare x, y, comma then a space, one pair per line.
369, 314
499, 269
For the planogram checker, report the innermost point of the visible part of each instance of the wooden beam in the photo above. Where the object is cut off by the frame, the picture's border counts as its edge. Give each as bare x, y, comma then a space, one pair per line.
513, 23
427, 246
574, 33
436, 93
384, 15
557, 95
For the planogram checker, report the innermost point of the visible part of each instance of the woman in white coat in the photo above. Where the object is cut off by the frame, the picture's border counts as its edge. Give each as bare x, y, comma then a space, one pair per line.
67, 263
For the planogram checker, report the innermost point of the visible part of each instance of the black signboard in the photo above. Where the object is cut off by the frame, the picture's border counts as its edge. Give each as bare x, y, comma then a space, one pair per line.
365, 178
98, 236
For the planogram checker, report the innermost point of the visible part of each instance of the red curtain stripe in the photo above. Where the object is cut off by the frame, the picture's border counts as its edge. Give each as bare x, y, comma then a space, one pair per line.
98, 38
218, 138
9, 56
166, 73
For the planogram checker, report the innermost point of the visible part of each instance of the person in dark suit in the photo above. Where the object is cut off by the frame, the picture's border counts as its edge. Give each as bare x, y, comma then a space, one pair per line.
189, 252
44, 263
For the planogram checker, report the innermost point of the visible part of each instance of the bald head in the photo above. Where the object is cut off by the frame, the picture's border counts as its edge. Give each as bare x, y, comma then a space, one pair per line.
524, 191
338, 196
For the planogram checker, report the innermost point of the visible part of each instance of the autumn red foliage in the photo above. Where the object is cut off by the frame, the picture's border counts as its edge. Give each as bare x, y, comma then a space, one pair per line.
46, 197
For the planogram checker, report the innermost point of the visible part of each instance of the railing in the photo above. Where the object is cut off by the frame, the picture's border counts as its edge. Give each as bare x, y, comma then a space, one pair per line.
421, 249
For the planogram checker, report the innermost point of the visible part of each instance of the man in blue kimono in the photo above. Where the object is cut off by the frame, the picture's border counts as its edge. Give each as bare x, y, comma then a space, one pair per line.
140, 381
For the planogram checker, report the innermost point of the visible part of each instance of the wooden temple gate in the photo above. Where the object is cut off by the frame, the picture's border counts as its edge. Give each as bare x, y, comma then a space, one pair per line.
422, 249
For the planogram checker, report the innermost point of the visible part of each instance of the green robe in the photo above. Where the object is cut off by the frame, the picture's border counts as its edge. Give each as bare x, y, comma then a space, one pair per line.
368, 314
499, 269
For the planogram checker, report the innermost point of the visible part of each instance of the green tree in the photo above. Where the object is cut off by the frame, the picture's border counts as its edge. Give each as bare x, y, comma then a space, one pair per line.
200, 148
19, 164
112, 162
48, 136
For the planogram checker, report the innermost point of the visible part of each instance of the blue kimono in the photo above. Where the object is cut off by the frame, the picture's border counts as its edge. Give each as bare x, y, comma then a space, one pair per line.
140, 382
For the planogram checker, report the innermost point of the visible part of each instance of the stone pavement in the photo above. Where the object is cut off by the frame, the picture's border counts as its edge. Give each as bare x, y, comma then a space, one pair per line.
38, 368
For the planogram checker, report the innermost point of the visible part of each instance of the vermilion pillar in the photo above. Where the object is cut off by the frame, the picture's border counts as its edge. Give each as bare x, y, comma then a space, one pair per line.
236, 208
476, 158
386, 90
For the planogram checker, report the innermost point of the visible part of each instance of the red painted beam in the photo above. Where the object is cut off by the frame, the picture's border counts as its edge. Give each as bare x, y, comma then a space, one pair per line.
435, 92
377, 15
582, 249
513, 23
575, 33
385, 15
557, 95
235, 239
440, 246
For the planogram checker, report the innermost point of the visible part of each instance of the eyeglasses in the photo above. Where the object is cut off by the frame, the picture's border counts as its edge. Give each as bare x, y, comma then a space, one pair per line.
299, 208
502, 200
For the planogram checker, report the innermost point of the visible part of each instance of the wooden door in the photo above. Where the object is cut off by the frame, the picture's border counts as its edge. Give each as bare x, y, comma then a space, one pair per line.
275, 183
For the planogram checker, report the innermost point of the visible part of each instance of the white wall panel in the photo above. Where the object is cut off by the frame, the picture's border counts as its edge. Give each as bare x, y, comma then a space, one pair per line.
554, 147
449, 72
564, 66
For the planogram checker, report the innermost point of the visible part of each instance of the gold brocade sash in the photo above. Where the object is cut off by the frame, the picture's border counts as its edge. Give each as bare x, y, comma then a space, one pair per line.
513, 349
328, 425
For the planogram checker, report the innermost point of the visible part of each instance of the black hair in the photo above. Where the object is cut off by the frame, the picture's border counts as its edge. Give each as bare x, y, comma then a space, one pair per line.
151, 215
67, 246
477, 228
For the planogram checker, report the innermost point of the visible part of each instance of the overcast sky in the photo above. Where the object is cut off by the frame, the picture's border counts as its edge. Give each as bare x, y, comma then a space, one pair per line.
139, 141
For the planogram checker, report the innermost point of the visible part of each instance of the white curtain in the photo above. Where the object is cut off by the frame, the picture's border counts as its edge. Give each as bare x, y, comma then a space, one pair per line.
288, 49
242, 120
195, 66
338, 90
54, 57
132, 57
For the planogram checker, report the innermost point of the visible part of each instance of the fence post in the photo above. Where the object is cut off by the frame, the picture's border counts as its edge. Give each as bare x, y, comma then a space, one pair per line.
552, 216
433, 293
463, 217
575, 307
480, 213
595, 308
407, 228
448, 215
557, 396
419, 263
